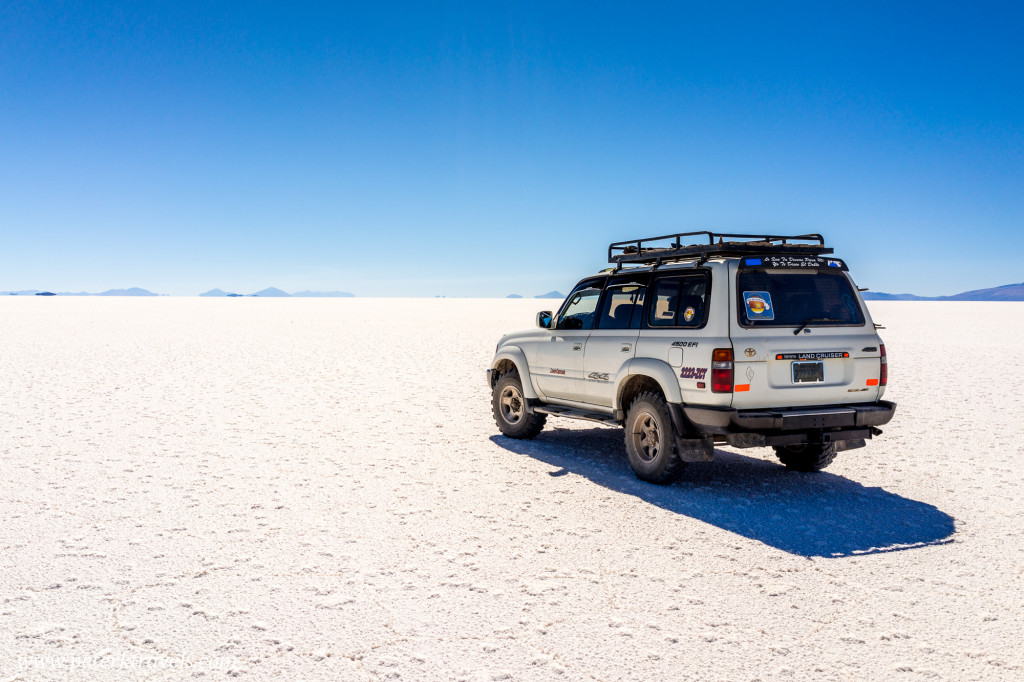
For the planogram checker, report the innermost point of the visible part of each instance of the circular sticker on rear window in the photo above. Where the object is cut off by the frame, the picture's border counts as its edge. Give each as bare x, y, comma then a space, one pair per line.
759, 305
688, 314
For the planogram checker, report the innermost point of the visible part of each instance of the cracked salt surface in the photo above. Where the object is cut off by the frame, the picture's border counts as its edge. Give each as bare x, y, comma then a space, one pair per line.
314, 489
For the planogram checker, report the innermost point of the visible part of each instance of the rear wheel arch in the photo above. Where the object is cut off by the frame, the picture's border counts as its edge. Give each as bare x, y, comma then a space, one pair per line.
631, 388
649, 374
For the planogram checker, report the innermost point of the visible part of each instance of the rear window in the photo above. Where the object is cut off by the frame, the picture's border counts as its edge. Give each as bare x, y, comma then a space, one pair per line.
775, 298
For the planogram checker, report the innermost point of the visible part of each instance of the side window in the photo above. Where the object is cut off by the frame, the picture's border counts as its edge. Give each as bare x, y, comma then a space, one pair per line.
623, 306
579, 311
679, 301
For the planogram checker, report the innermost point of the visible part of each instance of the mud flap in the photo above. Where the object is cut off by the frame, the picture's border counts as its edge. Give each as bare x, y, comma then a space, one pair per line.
692, 446
696, 449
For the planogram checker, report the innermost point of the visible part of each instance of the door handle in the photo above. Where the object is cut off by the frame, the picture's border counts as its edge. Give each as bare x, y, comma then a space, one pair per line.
626, 347
577, 346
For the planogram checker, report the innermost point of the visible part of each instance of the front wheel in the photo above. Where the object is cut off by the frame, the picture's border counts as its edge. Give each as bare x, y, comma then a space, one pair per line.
509, 408
806, 457
649, 443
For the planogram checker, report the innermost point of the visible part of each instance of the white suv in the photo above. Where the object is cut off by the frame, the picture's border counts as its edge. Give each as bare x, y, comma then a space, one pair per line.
749, 340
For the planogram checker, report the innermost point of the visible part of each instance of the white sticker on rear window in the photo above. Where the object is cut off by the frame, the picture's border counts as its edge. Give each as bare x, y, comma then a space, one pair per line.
759, 305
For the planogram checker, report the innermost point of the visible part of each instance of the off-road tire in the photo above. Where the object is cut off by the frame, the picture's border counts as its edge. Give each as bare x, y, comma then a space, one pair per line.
508, 404
806, 457
649, 443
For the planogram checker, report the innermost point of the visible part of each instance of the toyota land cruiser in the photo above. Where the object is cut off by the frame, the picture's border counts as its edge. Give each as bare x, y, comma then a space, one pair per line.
746, 340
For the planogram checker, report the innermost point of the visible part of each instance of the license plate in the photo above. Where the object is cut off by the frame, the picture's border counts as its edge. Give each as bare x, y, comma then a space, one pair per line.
808, 372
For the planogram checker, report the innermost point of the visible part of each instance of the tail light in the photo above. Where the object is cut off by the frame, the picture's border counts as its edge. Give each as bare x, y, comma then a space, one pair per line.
883, 376
721, 370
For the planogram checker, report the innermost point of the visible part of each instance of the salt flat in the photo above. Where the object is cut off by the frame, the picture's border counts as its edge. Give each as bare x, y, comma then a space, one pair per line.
315, 489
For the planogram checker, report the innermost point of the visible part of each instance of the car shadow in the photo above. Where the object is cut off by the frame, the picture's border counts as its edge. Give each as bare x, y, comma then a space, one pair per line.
811, 515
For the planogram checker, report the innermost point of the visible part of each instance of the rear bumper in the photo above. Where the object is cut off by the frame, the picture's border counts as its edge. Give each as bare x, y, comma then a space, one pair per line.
727, 420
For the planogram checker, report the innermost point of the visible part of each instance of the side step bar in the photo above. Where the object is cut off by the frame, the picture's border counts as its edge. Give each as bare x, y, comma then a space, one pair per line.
573, 413
701, 449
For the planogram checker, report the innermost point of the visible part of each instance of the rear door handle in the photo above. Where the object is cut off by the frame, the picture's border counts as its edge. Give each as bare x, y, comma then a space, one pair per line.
626, 347
577, 346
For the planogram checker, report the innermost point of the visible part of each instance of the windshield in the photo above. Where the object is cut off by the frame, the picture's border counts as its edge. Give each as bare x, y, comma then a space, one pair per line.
775, 298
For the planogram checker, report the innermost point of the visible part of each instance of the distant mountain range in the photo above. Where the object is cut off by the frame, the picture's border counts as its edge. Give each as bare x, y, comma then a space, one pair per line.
269, 292
274, 292
1007, 292
134, 291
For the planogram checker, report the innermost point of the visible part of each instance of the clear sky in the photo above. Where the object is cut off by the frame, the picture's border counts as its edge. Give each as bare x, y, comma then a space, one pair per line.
485, 149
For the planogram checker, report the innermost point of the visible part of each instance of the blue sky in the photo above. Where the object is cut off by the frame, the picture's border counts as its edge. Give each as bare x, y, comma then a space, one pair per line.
485, 149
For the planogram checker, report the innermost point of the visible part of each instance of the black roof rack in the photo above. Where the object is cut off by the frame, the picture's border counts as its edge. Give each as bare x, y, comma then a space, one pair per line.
650, 251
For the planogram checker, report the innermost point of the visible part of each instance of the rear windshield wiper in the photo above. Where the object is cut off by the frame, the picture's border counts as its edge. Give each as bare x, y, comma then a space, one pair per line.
812, 320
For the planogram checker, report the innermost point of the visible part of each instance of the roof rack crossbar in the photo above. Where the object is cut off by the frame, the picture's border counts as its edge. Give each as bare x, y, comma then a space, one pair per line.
648, 250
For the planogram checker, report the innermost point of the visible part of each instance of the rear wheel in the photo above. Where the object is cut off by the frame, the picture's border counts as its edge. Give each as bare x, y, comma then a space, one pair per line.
807, 457
509, 408
649, 443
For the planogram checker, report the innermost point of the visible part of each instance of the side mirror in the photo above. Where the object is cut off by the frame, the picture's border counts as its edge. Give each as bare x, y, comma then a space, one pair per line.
544, 319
